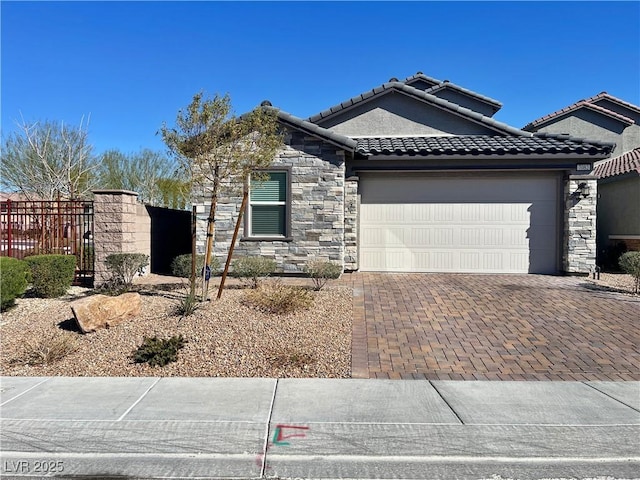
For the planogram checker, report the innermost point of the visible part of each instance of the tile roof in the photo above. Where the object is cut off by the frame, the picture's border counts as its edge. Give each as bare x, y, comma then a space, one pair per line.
298, 123
423, 77
612, 99
589, 104
626, 163
421, 95
437, 85
480, 145
495, 104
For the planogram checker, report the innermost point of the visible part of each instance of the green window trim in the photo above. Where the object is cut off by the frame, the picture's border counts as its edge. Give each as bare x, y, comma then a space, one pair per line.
268, 206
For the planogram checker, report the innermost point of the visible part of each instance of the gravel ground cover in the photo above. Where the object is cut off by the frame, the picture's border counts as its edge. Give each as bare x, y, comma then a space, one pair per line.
225, 338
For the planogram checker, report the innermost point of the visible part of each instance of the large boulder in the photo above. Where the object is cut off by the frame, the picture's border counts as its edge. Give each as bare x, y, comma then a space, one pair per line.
102, 311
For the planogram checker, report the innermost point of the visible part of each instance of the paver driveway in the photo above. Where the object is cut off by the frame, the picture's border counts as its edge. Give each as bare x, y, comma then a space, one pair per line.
492, 327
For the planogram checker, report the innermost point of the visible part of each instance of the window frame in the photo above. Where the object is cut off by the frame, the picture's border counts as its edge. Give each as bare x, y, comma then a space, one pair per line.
248, 234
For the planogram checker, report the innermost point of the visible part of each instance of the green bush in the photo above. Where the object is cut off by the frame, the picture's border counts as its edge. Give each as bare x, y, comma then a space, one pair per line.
181, 265
14, 278
630, 263
123, 267
321, 271
252, 269
157, 351
51, 275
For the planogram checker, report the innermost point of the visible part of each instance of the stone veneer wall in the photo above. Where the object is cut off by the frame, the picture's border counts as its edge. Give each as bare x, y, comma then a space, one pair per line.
351, 209
579, 256
116, 223
317, 210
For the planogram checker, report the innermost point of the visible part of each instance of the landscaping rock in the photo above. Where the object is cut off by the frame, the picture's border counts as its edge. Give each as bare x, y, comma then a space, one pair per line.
102, 311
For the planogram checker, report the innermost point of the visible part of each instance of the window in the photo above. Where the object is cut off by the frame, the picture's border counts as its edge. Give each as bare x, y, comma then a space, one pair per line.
267, 213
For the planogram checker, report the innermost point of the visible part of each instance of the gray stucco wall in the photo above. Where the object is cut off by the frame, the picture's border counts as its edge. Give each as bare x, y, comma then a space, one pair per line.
618, 208
589, 125
465, 101
395, 114
316, 214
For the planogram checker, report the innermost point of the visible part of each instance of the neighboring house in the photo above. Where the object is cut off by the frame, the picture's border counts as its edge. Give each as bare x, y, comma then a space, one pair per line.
618, 224
607, 118
416, 176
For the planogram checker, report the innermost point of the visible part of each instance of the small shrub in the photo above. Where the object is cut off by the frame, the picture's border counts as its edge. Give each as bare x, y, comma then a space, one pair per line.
14, 278
279, 299
252, 269
50, 349
181, 265
630, 263
321, 271
51, 275
291, 359
157, 351
189, 303
123, 267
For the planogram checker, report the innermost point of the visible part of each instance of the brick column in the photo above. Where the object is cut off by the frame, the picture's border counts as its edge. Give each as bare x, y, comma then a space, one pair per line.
580, 225
114, 227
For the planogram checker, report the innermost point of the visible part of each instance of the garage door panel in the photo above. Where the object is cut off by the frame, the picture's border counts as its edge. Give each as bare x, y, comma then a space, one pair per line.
450, 224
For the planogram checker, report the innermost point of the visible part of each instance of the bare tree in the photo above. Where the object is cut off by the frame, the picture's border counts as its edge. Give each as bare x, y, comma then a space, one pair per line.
220, 150
47, 160
152, 175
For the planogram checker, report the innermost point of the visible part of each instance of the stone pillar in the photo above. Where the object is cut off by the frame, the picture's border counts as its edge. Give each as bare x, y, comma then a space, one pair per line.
114, 227
580, 225
351, 204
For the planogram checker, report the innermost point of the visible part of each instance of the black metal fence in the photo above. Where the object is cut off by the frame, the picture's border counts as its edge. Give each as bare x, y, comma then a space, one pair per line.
42, 227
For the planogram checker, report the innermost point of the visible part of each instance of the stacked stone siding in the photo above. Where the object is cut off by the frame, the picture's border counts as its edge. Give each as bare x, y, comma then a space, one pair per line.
580, 226
317, 219
351, 209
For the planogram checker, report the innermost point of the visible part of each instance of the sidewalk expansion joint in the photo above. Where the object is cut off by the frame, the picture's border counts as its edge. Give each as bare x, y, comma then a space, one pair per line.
613, 398
446, 402
265, 445
26, 391
138, 400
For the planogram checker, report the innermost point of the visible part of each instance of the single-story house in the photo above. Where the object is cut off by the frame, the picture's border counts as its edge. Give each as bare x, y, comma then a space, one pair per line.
416, 176
607, 118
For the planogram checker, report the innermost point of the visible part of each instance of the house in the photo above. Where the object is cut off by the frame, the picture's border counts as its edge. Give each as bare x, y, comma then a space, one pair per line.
610, 119
417, 176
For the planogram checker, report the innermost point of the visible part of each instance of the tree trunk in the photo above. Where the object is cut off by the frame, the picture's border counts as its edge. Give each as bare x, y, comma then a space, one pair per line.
211, 230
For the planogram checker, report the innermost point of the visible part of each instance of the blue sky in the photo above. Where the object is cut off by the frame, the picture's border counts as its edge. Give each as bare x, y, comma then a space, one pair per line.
132, 65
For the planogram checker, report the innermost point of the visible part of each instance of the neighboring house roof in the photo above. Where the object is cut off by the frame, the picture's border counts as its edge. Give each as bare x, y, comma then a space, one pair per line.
298, 123
612, 99
626, 163
481, 145
588, 104
441, 103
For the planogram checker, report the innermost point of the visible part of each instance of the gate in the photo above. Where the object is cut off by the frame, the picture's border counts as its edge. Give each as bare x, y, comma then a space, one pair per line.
43, 227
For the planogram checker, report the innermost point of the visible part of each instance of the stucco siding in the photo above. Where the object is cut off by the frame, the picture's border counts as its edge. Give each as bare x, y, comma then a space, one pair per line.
618, 208
590, 126
395, 114
465, 101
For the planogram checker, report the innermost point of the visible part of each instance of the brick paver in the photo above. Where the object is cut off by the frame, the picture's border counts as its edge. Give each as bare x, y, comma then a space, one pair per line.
491, 327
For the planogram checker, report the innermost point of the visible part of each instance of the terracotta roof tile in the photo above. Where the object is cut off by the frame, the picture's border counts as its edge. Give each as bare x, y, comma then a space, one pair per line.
626, 163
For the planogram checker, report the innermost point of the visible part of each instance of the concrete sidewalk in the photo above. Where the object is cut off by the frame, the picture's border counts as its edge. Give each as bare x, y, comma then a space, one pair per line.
317, 428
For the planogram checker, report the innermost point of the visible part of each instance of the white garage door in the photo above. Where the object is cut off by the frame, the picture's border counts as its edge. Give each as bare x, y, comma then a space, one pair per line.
484, 224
